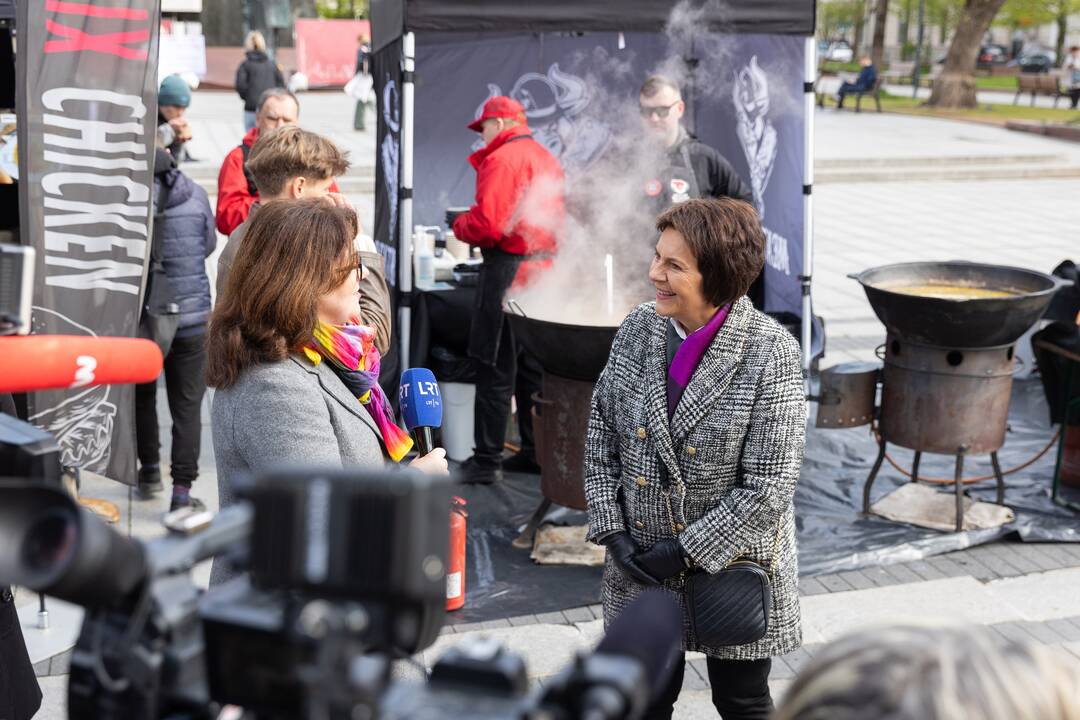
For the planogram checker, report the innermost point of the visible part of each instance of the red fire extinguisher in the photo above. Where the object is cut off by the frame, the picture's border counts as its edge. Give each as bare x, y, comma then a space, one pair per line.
455, 575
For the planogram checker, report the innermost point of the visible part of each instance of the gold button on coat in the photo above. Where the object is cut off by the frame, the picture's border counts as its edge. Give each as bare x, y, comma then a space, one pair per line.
641, 433
639, 525
641, 481
691, 451
679, 527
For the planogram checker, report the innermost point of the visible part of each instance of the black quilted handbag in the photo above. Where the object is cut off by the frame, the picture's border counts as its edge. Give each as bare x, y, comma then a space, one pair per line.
731, 607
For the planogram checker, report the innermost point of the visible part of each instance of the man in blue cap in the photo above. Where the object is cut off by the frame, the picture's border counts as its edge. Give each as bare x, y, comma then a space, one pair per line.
174, 96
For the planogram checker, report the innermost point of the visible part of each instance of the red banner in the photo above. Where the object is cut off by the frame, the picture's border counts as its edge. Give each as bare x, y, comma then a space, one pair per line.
326, 49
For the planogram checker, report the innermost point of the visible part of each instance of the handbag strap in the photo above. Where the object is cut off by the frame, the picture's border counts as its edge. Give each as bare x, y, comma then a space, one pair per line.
776, 539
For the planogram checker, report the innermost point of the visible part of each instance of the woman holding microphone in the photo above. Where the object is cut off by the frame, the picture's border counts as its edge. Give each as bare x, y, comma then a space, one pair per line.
295, 367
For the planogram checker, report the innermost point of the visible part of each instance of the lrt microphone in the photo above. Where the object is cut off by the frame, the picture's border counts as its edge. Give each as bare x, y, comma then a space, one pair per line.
421, 406
44, 362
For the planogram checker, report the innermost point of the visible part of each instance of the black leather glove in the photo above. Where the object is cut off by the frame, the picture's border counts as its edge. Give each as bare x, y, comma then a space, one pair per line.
664, 559
623, 549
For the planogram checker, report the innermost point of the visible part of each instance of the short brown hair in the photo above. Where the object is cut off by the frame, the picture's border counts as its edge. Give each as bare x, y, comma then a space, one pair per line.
726, 238
288, 152
655, 83
294, 252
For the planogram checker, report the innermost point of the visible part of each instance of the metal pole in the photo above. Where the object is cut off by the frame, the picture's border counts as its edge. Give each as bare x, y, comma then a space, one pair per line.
809, 78
917, 72
405, 215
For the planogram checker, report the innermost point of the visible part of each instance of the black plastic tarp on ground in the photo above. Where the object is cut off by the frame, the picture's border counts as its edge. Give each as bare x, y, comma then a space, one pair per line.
391, 18
833, 535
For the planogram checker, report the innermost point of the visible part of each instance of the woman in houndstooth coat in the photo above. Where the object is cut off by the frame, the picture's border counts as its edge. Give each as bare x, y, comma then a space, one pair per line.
695, 442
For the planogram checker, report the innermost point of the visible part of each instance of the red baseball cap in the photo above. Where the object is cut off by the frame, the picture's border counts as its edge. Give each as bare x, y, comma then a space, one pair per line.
499, 106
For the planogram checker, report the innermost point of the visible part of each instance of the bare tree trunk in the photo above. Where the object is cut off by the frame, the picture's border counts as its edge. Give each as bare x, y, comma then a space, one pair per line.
1062, 21
955, 87
877, 50
860, 22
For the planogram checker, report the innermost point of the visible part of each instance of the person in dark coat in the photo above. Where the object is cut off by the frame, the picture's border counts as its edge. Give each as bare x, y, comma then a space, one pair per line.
20, 695
363, 62
863, 83
188, 238
173, 130
257, 74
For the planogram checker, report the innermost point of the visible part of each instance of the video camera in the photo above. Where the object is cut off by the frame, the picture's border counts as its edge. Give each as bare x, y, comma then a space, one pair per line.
346, 573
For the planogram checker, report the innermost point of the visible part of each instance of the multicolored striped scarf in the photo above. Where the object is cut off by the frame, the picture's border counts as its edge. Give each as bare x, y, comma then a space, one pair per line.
353, 357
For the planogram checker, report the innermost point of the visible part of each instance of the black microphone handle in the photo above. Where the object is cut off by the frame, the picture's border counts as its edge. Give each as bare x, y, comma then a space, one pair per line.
422, 439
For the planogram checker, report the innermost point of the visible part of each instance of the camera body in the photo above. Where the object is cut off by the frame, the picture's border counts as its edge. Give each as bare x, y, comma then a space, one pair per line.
346, 573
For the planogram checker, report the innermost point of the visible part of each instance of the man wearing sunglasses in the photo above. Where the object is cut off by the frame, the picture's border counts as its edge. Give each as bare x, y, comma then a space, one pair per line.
693, 168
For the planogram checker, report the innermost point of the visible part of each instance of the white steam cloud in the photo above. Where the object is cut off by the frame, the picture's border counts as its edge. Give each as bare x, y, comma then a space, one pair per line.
608, 157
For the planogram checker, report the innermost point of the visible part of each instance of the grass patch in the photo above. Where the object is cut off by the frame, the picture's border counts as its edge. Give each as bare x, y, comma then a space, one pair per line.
830, 66
996, 82
996, 113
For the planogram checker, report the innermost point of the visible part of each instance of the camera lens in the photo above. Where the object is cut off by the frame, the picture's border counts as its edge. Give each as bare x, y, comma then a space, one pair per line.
50, 542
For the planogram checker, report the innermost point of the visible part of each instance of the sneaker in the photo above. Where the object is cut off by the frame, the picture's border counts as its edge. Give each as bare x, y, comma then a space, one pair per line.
183, 499
474, 472
149, 481
521, 463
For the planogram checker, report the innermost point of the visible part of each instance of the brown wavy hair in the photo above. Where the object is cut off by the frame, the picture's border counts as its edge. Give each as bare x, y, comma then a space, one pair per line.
726, 238
294, 251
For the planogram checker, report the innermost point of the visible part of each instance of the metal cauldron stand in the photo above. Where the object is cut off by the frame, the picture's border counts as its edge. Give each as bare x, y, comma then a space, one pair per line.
560, 443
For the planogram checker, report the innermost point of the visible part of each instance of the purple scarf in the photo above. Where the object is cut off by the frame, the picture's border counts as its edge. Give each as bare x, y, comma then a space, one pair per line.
688, 357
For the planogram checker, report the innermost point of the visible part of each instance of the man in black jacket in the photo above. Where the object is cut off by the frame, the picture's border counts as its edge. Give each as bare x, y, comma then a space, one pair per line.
693, 168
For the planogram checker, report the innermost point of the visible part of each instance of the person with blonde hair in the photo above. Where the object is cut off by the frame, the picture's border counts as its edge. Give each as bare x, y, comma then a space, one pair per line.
257, 74
934, 673
286, 163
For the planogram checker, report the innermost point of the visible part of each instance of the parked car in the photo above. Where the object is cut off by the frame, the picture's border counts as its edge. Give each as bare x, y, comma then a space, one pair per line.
992, 55
839, 51
1035, 61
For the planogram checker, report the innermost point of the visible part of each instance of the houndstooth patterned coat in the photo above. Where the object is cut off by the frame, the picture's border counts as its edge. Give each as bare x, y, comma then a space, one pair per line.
731, 454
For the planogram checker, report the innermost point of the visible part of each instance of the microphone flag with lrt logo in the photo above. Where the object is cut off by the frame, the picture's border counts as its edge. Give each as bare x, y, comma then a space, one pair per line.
421, 406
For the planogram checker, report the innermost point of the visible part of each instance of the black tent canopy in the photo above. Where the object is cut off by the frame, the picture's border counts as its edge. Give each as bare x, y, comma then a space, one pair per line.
393, 18
503, 31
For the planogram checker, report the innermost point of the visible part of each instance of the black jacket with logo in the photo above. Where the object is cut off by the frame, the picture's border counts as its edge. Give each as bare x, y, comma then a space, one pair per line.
715, 175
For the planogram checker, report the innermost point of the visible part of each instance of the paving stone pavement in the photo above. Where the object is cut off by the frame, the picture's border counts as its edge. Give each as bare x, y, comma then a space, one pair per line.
1019, 590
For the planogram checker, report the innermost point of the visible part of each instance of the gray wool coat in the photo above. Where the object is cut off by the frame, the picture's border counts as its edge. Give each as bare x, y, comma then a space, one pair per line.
288, 414
731, 455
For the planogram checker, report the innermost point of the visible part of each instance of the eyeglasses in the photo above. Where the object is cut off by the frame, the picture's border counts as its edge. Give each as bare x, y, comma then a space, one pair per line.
360, 272
660, 111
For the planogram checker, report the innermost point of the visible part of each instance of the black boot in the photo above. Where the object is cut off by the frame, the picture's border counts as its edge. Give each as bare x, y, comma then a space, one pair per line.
522, 462
149, 481
477, 472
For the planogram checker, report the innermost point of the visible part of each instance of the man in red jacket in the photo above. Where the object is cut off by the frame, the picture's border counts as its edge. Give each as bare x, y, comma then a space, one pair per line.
517, 217
236, 186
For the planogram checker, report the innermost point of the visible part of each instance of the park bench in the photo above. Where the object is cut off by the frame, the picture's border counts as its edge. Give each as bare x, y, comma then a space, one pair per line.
900, 73
848, 77
874, 92
1046, 84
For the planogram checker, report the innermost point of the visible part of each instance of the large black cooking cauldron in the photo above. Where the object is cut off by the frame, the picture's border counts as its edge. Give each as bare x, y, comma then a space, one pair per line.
958, 323
574, 352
